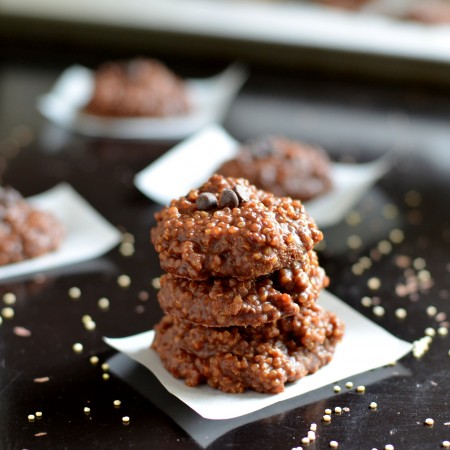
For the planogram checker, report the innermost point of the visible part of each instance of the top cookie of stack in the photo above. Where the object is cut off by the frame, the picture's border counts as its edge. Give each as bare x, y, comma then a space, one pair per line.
228, 228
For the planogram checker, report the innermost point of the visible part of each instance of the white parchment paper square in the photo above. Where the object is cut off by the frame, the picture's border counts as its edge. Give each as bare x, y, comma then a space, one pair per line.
210, 99
192, 162
365, 346
87, 234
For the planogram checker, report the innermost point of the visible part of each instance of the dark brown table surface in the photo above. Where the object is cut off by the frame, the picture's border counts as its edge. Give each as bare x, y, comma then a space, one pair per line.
354, 120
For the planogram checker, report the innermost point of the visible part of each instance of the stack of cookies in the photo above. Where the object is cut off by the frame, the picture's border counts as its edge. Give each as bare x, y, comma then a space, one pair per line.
240, 289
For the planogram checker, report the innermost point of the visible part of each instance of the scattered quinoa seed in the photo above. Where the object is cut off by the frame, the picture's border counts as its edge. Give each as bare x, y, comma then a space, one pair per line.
313, 427
93, 360
429, 421
430, 332
105, 367
31, 417
338, 410
388, 447
366, 301
8, 312
373, 405
401, 313
360, 389
328, 411
305, 440
334, 444
87, 410
38, 414
432, 311
77, 347
156, 283
124, 281
442, 331
446, 444
105, 376
373, 283
337, 388
125, 419
74, 293
311, 435
378, 311
327, 418
103, 303
9, 298
349, 385
117, 403
143, 296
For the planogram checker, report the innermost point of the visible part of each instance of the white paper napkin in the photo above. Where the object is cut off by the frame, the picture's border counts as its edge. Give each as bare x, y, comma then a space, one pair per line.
365, 346
87, 234
192, 162
210, 99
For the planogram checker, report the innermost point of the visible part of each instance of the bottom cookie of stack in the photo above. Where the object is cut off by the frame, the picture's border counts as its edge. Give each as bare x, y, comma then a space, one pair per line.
262, 358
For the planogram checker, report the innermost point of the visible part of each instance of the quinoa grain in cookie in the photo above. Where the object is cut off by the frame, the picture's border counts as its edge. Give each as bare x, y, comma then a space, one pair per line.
198, 238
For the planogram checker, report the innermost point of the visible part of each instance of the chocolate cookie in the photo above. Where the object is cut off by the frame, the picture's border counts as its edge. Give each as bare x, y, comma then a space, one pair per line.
224, 302
140, 87
262, 358
24, 231
228, 228
283, 167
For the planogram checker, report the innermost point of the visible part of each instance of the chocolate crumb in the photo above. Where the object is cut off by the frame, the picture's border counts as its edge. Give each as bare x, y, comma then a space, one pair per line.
242, 193
228, 198
206, 201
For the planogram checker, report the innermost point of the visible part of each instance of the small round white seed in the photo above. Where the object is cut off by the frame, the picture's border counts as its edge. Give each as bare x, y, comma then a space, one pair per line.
94, 360
105, 367
117, 403
442, 331
87, 410
431, 311
328, 411
311, 435
378, 311
77, 347
349, 384
38, 414
360, 389
337, 388
105, 376
9, 298
124, 281
445, 444
305, 440
103, 303
429, 421
338, 410
430, 332
388, 447
74, 293
31, 417
373, 405
125, 419
313, 427
327, 418
334, 444
8, 312
401, 313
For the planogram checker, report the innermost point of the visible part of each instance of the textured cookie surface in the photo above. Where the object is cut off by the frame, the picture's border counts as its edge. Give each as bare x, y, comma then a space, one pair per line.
228, 228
